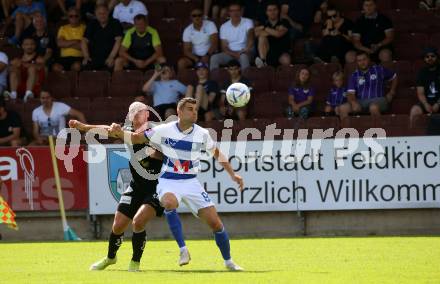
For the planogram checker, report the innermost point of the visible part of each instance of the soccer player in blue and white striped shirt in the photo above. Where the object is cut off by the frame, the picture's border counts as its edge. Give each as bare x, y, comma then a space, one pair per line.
182, 143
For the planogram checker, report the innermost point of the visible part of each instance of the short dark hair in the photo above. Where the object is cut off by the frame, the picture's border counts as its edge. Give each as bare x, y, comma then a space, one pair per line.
29, 38
185, 101
332, 7
235, 3
233, 63
98, 6
363, 1
139, 17
272, 3
361, 52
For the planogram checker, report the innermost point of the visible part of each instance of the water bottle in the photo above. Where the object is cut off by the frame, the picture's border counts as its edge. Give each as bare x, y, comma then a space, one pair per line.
289, 112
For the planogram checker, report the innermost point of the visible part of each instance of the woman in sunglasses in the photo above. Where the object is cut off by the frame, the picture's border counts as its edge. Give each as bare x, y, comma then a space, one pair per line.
336, 41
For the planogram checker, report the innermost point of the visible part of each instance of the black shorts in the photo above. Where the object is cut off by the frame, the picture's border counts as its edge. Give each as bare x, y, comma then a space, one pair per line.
67, 62
161, 109
135, 196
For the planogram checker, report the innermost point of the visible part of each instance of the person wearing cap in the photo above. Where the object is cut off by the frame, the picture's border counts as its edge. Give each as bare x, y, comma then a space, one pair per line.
49, 118
226, 110
10, 126
141, 47
428, 85
165, 92
206, 92
200, 41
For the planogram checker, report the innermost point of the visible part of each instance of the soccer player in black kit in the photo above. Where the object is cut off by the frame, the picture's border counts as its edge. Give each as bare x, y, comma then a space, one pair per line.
139, 203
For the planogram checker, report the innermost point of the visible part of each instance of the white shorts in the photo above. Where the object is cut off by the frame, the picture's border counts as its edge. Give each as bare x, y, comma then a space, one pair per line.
188, 191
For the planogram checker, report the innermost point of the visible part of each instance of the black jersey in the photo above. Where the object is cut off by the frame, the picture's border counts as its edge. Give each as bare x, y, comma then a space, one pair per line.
149, 164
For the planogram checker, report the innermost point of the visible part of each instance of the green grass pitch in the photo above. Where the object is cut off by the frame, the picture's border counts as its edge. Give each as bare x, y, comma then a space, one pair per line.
296, 260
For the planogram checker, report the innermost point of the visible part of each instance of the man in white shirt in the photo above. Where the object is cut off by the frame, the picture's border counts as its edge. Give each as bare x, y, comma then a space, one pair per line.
200, 40
182, 143
49, 118
3, 71
125, 12
237, 39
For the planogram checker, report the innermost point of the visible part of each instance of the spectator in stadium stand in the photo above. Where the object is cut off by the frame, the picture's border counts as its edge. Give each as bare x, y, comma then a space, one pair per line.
10, 126
166, 92
256, 10
225, 109
300, 15
127, 10
102, 40
141, 47
26, 73
69, 41
336, 40
429, 5
219, 9
50, 118
4, 61
66, 4
206, 92
272, 37
366, 87
301, 95
321, 15
200, 41
286, 60
373, 31
45, 40
237, 39
428, 85
337, 97
23, 16
386, 58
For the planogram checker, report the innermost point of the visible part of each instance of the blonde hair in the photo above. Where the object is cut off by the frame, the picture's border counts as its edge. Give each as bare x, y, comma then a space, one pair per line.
134, 108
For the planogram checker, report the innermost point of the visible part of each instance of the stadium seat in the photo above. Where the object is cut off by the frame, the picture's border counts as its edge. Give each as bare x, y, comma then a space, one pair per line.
80, 103
92, 84
181, 9
360, 123
419, 125
435, 40
398, 16
352, 15
403, 105
394, 124
220, 75
269, 105
407, 4
156, 11
323, 123
61, 84
126, 84
215, 128
285, 77
259, 124
347, 5
187, 77
261, 78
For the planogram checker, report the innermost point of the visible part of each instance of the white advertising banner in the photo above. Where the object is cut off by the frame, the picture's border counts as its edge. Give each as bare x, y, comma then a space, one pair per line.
306, 175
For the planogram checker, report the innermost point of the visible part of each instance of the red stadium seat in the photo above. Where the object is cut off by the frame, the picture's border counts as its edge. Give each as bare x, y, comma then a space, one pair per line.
187, 77
79, 103
269, 105
285, 76
407, 4
323, 123
126, 84
360, 123
220, 75
347, 5
435, 40
261, 78
403, 105
419, 125
398, 16
61, 84
394, 125
92, 84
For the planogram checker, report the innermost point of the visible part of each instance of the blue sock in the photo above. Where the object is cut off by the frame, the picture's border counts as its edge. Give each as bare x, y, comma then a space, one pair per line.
222, 241
175, 226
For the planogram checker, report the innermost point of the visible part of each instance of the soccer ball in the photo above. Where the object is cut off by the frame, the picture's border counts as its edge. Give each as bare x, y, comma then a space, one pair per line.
238, 94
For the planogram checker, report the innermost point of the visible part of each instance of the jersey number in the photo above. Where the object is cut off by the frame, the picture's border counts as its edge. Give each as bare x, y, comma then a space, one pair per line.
206, 196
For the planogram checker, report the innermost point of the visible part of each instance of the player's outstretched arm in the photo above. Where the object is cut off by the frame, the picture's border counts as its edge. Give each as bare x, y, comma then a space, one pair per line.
129, 137
86, 127
218, 155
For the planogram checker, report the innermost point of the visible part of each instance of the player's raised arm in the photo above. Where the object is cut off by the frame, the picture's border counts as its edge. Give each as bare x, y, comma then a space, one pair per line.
221, 158
86, 127
129, 137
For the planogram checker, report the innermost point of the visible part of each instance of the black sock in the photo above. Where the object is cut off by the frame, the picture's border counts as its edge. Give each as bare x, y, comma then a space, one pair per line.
114, 242
138, 242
